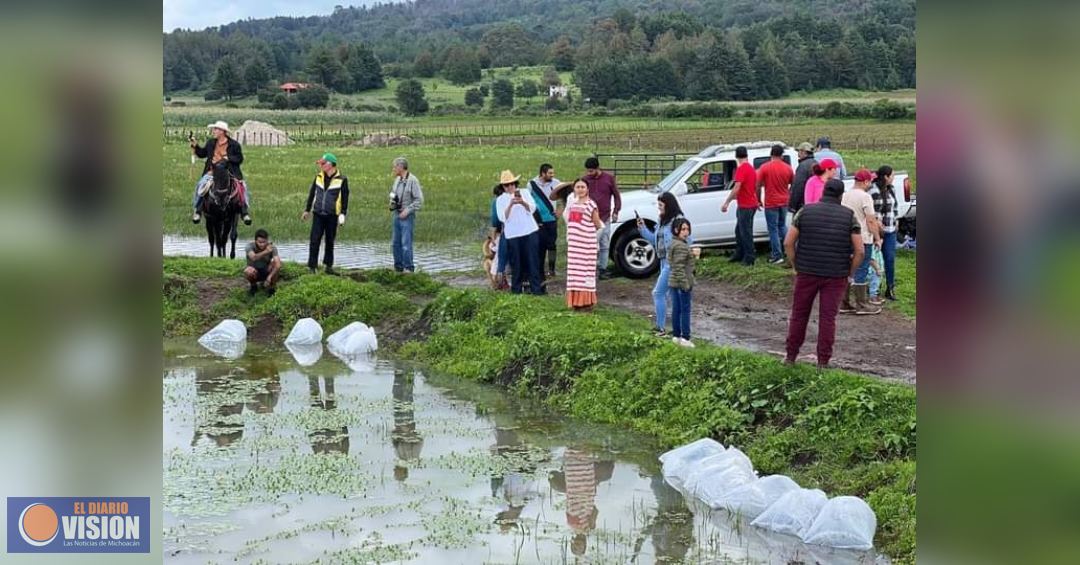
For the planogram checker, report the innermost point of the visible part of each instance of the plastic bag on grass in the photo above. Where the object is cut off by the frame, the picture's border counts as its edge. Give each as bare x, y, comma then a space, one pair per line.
306, 331
793, 513
678, 467
749, 501
710, 487
227, 339
844, 522
354, 339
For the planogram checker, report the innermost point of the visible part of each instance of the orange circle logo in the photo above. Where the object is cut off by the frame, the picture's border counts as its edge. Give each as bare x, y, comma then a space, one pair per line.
38, 524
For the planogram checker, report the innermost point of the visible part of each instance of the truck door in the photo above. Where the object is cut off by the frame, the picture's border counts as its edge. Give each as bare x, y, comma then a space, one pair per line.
706, 189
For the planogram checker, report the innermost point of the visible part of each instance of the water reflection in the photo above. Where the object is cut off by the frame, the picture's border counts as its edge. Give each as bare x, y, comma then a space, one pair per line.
581, 473
408, 443
672, 527
326, 439
213, 383
514, 484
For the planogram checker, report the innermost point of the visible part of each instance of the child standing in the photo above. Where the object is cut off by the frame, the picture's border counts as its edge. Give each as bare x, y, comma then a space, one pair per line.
876, 261
682, 260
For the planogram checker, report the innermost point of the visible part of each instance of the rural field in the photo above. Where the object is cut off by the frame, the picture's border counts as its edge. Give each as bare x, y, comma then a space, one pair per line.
457, 179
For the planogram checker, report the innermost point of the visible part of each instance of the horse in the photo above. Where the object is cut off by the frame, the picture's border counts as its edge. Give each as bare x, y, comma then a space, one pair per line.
221, 207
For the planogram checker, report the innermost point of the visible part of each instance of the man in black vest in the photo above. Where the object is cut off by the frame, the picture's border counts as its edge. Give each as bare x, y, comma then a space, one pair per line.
825, 246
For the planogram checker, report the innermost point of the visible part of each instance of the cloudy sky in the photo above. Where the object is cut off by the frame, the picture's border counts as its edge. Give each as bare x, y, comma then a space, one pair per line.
199, 14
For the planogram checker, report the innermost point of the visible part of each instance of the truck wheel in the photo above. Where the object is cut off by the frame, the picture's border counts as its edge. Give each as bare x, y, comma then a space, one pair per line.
634, 255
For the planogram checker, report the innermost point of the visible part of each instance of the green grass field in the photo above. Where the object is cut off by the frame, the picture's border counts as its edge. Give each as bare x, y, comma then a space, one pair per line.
457, 183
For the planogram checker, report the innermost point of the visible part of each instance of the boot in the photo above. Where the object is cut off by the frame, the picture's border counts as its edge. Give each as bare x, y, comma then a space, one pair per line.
862, 300
889, 293
845, 306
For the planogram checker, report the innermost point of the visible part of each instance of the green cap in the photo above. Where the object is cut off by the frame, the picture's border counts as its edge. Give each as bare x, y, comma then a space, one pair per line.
330, 157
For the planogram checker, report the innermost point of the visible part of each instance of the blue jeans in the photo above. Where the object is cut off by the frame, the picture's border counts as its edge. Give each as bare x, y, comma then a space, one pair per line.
888, 253
744, 235
402, 243
875, 283
680, 313
864, 268
504, 256
603, 238
196, 199
524, 260
660, 294
776, 219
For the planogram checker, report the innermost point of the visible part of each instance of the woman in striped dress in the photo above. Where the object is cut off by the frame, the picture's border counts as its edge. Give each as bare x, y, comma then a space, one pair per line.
582, 225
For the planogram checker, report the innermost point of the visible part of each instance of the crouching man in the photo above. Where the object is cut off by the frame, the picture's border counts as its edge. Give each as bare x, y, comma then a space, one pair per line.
263, 264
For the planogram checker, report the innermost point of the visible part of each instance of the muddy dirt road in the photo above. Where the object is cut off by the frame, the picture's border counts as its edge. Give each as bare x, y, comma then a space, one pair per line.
882, 345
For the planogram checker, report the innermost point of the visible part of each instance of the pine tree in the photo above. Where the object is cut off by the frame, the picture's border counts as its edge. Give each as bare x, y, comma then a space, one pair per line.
227, 79
411, 98
424, 65
324, 68
255, 76
363, 69
562, 54
772, 76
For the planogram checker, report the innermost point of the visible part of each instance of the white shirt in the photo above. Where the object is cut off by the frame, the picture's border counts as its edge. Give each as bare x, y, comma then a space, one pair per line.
521, 221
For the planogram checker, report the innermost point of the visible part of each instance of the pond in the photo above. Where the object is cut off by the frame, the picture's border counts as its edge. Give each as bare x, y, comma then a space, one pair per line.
268, 461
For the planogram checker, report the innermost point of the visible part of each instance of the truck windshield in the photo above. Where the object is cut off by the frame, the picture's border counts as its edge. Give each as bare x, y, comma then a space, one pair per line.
673, 177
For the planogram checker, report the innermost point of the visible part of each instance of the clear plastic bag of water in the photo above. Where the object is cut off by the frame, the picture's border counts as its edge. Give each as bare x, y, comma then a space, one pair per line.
750, 500
845, 522
306, 331
227, 339
793, 513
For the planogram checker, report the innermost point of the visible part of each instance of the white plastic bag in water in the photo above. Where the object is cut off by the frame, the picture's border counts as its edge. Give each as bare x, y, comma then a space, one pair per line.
354, 339
752, 499
711, 486
844, 522
305, 354
793, 513
716, 463
227, 339
306, 332
699, 444
679, 466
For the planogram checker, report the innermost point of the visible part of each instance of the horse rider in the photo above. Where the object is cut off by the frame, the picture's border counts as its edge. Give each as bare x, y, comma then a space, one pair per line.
220, 148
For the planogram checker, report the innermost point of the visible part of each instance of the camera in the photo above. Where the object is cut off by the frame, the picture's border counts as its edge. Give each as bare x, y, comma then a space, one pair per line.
395, 203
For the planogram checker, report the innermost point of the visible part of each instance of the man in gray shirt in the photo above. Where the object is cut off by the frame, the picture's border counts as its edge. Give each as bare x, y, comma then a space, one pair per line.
405, 200
263, 263
825, 151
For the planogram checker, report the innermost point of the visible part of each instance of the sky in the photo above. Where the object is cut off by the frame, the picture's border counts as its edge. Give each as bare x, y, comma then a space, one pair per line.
200, 14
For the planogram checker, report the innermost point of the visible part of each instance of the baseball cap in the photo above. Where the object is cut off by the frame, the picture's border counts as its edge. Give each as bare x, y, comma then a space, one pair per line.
805, 146
329, 157
863, 175
824, 141
827, 164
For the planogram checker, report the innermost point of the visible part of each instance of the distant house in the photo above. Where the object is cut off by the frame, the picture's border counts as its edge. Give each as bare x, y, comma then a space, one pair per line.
557, 91
293, 87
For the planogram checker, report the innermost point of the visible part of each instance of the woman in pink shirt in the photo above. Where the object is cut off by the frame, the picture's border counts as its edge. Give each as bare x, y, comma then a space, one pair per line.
823, 171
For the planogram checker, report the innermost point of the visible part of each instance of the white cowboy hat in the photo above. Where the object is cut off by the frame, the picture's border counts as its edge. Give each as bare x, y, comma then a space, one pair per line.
507, 177
219, 125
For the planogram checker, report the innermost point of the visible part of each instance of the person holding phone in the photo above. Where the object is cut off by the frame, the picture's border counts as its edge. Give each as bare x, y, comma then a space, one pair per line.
583, 225
515, 208
660, 238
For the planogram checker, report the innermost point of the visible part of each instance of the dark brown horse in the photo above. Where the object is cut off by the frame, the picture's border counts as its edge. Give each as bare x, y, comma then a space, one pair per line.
221, 207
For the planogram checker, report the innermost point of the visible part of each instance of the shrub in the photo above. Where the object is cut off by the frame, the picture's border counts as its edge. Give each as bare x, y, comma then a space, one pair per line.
885, 109
314, 96
212, 95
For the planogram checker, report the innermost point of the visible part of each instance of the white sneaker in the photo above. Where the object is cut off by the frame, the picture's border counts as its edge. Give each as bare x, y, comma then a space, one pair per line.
686, 343
676, 341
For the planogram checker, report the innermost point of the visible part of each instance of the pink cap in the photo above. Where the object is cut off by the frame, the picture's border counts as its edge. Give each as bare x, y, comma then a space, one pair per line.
827, 164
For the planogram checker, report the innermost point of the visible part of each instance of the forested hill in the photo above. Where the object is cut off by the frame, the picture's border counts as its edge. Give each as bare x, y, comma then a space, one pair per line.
695, 48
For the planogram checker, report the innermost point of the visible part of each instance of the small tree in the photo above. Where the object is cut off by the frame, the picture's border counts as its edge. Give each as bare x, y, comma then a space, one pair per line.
227, 79
473, 97
411, 98
502, 94
484, 91
256, 76
280, 101
314, 96
551, 77
527, 89
424, 65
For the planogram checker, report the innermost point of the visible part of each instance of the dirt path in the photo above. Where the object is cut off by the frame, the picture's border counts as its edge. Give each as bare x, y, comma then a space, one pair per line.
882, 345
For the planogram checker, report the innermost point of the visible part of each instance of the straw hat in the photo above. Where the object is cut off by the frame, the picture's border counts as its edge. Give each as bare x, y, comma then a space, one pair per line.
507, 177
219, 125
562, 190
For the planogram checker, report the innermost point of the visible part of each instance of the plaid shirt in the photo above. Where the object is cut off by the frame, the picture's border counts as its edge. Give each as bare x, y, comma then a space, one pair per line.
885, 206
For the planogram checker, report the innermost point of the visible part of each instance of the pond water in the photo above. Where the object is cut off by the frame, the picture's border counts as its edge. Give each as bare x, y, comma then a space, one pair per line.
347, 254
268, 461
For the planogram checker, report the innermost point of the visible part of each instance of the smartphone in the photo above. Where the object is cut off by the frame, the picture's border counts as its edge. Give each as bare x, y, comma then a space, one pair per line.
637, 216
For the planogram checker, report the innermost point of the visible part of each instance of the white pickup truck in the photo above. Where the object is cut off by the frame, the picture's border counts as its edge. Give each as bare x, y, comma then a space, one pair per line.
702, 183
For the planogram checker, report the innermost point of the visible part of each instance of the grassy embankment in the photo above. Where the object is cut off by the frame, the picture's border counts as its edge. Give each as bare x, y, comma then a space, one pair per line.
844, 433
457, 183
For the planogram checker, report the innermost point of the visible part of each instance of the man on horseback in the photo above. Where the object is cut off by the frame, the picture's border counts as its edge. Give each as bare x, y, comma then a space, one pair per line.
220, 148
263, 263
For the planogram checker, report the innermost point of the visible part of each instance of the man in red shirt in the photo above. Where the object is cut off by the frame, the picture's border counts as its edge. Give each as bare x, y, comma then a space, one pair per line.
745, 192
776, 176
